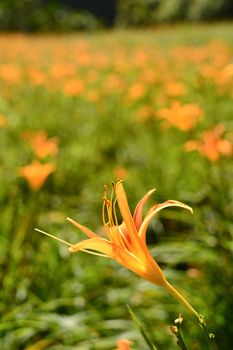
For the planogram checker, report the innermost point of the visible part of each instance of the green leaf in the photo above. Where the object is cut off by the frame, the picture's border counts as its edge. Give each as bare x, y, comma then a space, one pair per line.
141, 329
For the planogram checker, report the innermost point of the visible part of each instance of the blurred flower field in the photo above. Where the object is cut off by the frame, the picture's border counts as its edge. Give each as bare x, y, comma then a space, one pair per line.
79, 111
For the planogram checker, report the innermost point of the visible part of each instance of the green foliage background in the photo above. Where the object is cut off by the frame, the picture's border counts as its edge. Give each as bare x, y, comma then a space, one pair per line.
44, 16
53, 15
151, 12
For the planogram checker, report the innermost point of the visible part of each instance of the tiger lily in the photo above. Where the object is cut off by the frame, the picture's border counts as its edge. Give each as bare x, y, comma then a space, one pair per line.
126, 243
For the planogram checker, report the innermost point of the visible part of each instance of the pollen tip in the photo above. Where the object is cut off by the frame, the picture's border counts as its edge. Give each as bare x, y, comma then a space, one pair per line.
72, 221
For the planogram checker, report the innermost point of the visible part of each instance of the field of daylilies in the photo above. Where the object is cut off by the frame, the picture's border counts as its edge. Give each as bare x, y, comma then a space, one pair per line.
78, 113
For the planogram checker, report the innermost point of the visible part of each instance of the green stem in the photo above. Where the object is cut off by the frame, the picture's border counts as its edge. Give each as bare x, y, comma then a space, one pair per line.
141, 329
200, 319
180, 342
181, 299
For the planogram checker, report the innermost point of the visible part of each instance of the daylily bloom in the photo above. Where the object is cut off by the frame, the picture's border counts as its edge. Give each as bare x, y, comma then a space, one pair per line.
212, 145
126, 243
120, 172
124, 344
3, 120
183, 117
36, 173
174, 89
41, 144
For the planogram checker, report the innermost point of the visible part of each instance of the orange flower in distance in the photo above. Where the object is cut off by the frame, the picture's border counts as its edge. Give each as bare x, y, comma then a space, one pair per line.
183, 117
114, 83
36, 76
221, 77
92, 95
126, 242
73, 87
124, 344
3, 120
36, 173
226, 75
121, 173
211, 145
62, 70
41, 144
144, 113
137, 91
175, 89
10, 73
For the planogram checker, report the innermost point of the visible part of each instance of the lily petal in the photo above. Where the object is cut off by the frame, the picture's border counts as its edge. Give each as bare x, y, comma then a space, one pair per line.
124, 208
84, 229
137, 216
98, 244
155, 210
138, 246
109, 249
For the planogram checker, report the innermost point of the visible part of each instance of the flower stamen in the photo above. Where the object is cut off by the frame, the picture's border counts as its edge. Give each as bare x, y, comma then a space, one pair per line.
54, 237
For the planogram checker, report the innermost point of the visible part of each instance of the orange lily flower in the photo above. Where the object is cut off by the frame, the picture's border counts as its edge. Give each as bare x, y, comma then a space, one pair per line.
212, 145
36, 173
41, 144
174, 89
123, 344
120, 172
126, 243
3, 120
183, 117
73, 87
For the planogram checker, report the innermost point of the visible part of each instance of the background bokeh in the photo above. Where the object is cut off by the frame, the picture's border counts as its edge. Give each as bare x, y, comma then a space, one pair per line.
68, 15
151, 106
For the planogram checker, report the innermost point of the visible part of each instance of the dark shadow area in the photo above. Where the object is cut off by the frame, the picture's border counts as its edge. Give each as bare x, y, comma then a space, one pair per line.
105, 10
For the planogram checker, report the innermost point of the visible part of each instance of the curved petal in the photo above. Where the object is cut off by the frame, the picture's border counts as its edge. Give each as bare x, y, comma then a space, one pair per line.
109, 249
156, 209
137, 216
98, 244
84, 229
147, 269
138, 247
124, 208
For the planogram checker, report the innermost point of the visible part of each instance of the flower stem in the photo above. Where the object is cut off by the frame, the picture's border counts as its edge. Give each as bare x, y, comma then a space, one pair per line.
176, 330
181, 299
180, 341
200, 318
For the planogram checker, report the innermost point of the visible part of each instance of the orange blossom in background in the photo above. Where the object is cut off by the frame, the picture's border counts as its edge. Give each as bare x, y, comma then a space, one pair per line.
36, 173
212, 145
